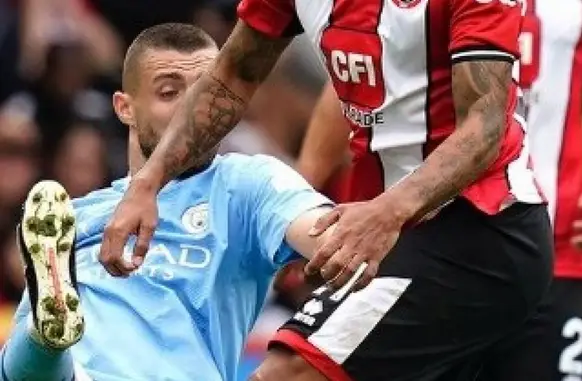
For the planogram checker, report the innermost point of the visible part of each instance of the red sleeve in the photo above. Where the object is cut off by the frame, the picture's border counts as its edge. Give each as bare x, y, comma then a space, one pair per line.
485, 29
275, 18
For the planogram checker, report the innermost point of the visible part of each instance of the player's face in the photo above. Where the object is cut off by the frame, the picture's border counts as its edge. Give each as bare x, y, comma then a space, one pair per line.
165, 76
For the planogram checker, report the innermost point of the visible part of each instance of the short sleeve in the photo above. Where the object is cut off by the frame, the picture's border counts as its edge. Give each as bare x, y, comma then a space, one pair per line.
485, 30
274, 18
273, 195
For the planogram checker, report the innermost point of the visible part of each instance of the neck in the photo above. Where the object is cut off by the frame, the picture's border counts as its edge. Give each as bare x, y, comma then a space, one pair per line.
136, 160
135, 157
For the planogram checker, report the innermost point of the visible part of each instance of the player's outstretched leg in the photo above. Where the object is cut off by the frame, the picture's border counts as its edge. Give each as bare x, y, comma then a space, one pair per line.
25, 358
37, 348
47, 232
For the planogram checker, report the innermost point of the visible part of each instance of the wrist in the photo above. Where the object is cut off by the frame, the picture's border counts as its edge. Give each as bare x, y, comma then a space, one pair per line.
402, 208
148, 179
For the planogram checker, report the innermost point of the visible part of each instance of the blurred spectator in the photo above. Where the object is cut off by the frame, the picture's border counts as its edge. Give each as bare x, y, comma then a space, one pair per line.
11, 279
216, 17
129, 17
6, 313
247, 138
11, 273
9, 51
19, 165
80, 161
282, 106
63, 94
46, 23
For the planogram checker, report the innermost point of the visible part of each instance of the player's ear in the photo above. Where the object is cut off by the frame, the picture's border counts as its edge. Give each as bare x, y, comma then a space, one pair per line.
123, 108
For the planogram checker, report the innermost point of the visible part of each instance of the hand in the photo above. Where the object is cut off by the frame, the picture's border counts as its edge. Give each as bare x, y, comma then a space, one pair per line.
365, 232
577, 228
136, 214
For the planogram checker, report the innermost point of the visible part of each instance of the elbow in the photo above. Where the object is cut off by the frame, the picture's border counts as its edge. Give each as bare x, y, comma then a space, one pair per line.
491, 152
490, 110
493, 134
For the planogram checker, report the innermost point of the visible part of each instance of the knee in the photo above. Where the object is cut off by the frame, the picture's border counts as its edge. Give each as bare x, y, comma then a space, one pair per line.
285, 365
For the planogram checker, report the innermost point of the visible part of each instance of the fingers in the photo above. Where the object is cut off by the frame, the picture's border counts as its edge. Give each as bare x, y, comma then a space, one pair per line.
111, 252
334, 270
322, 255
142, 245
118, 271
368, 274
347, 272
325, 221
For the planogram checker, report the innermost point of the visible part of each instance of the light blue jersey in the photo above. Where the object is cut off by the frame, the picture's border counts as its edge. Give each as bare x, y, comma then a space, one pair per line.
187, 311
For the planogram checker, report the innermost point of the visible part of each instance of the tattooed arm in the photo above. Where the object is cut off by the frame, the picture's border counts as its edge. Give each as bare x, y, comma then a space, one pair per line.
214, 104
480, 94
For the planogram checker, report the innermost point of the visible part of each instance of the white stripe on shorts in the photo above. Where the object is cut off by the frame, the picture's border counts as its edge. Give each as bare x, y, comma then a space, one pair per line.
354, 319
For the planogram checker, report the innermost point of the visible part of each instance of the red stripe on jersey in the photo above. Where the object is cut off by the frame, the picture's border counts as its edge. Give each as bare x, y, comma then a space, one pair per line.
439, 102
363, 178
337, 188
568, 259
366, 177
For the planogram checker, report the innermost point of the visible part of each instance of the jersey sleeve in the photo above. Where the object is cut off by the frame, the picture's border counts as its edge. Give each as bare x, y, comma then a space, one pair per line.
273, 196
485, 30
274, 18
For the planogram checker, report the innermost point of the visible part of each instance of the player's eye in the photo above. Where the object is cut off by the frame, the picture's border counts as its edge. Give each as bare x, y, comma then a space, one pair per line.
168, 94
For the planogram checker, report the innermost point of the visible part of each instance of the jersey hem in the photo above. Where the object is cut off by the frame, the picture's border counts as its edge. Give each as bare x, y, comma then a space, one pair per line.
482, 55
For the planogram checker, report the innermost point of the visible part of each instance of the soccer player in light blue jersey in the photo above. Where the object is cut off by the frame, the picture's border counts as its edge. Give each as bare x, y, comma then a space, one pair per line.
184, 313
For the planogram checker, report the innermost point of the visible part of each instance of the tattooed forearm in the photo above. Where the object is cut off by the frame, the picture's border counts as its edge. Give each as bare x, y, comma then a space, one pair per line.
250, 55
482, 88
480, 92
213, 110
214, 104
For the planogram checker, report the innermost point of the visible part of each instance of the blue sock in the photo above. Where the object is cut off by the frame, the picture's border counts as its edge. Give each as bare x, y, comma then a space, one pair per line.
24, 359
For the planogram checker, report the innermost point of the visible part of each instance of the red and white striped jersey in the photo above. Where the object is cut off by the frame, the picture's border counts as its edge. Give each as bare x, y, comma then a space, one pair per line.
390, 62
551, 76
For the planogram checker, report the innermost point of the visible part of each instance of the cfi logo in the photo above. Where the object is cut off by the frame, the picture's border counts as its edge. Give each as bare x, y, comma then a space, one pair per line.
406, 3
196, 220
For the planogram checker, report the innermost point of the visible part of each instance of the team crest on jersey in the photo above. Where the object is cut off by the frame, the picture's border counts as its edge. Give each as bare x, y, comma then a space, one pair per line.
406, 3
196, 220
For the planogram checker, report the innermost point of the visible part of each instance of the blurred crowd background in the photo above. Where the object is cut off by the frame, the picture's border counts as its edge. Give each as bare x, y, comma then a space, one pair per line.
60, 61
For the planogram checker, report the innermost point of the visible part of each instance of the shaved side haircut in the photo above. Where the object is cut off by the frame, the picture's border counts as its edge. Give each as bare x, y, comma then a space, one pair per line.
184, 38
